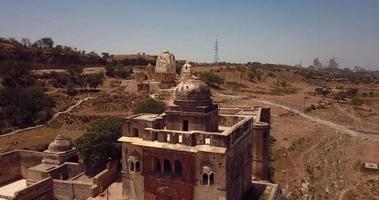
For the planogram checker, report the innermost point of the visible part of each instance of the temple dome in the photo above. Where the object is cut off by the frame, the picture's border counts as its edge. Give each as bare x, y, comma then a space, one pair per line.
192, 89
60, 144
186, 71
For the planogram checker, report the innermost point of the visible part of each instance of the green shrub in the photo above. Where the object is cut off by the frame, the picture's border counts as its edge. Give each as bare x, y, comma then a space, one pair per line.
99, 143
70, 89
212, 79
150, 105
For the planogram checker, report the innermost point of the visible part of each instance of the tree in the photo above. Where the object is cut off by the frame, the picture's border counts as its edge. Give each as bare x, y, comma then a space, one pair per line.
94, 80
212, 79
123, 72
16, 74
357, 103
75, 73
26, 42
105, 55
99, 143
24, 107
110, 70
44, 43
150, 105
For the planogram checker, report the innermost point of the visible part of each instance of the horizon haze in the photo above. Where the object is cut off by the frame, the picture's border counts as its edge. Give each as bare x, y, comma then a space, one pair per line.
285, 32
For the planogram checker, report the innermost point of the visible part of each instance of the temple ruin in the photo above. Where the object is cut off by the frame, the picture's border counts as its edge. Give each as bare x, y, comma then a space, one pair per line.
196, 150
153, 78
52, 174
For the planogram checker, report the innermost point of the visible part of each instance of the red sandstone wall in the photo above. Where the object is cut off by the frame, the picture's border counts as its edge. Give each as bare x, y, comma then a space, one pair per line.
155, 185
156, 188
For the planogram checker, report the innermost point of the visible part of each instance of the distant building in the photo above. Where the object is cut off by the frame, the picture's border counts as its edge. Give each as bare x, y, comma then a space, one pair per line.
316, 63
333, 64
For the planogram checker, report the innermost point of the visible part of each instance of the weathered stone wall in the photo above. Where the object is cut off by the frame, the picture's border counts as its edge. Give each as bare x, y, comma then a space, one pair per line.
63, 190
38, 191
14, 164
260, 150
238, 162
228, 120
217, 164
68, 190
29, 159
106, 177
174, 121
9, 167
73, 169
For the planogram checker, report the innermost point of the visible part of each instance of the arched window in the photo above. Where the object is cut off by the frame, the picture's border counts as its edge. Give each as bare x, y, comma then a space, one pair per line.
178, 169
207, 176
137, 166
166, 168
131, 166
156, 166
134, 164
135, 132
204, 180
211, 181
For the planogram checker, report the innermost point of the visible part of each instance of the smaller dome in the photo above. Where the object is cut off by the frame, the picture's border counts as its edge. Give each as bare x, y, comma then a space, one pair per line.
186, 71
187, 67
192, 90
60, 144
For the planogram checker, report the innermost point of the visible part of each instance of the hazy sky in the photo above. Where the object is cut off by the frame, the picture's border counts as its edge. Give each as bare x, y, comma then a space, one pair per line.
281, 31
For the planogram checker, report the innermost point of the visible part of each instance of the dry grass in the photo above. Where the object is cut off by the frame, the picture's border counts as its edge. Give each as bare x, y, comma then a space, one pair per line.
36, 139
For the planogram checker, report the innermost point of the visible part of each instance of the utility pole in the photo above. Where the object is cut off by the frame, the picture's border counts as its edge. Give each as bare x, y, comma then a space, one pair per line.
216, 59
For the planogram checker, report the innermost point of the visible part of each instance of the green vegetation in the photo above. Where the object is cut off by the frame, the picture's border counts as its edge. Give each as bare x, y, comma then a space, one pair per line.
357, 103
282, 87
255, 74
235, 85
22, 102
347, 93
99, 143
150, 105
43, 53
117, 71
94, 80
212, 79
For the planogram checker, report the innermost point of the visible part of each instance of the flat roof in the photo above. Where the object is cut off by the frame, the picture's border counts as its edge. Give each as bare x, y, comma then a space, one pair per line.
43, 167
178, 147
146, 117
10, 189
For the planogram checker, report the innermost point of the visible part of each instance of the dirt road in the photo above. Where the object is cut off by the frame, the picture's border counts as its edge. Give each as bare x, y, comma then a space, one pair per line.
338, 127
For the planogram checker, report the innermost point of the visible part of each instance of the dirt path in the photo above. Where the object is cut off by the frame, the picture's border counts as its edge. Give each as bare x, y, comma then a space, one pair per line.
69, 109
338, 127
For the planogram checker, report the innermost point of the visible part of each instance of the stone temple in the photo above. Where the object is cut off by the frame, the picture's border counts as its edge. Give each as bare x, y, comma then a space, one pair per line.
196, 150
150, 78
